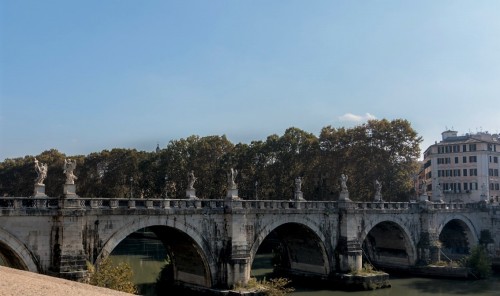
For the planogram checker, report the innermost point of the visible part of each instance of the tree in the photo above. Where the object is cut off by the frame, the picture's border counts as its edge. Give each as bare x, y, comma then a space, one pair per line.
378, 150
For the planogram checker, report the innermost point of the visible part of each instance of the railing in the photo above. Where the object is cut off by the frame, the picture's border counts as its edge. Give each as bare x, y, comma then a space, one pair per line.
33, 203
139, 203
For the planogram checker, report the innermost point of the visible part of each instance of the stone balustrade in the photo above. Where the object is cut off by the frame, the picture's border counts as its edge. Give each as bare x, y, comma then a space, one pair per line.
173, 204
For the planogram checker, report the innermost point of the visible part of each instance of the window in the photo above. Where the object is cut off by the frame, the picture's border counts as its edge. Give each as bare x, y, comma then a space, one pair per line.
472, 147
464, 148
497, 186
464, 159
472, 172
456, 148
465, 172
456, 159
495, 159
472, 158
466, 187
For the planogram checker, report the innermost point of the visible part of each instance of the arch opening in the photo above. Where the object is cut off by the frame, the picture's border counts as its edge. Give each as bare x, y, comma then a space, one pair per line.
456, 239
9, 258
291, 250
162, 258
388, 246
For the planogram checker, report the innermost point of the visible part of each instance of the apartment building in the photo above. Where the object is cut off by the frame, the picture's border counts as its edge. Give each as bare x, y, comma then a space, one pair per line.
462, 168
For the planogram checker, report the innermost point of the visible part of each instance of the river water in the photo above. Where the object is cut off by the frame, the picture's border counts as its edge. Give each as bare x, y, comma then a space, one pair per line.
146, 256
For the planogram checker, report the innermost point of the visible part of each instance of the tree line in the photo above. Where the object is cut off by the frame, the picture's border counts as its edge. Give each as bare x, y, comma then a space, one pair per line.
381, 150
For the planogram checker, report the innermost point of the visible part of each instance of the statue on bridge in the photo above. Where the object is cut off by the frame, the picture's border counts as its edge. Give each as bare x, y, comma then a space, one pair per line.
41, 171
344, 193
190, 191
298, 194
231, 176
69, 167
298, 184
343, 182
191, 180
378, 190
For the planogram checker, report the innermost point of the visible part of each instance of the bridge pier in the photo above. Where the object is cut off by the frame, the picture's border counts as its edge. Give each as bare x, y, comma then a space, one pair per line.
239, 264
428, 248
238, 271
68, 258
349, 252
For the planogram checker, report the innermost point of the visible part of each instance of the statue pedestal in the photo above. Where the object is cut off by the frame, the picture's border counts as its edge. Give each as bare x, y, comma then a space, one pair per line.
437, 198
232, 194
39, 190
344, 196
191, 193
377, 198
423, 197
69, 190
299, 196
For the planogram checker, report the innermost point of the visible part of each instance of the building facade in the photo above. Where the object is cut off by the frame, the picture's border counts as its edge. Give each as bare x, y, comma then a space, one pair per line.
462, 168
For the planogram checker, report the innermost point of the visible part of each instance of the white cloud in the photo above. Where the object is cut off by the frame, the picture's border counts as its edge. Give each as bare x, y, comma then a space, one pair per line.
349, 117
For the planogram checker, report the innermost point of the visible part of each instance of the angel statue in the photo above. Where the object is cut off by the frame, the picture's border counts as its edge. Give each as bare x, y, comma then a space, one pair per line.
343, 182
41, 171
69, 167
231, 176
191, 180
378, 188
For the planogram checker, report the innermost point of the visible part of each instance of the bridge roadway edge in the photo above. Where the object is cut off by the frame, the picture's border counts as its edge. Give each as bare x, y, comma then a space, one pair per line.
56, 237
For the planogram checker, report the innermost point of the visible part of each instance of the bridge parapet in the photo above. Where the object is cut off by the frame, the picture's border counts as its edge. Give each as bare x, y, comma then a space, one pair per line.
28, 203
173, 204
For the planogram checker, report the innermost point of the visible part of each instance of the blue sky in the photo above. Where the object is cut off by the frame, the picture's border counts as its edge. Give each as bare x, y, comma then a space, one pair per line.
83, 76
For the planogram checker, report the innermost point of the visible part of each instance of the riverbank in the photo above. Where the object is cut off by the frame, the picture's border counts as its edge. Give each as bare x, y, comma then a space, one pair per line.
14, 282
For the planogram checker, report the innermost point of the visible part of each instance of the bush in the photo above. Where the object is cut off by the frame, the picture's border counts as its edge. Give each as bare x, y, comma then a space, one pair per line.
107, 275
273, 287
479, 262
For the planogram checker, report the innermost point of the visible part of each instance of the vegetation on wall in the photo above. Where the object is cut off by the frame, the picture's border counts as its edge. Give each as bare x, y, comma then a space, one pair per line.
377, 150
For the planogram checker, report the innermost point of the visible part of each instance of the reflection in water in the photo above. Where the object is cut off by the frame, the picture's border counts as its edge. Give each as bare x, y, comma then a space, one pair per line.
262, 267
146, 256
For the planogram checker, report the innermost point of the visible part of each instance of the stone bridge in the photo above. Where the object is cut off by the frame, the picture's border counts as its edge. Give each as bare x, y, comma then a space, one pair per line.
213, 243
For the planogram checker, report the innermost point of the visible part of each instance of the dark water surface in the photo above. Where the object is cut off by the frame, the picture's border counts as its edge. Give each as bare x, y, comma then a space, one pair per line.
146, 256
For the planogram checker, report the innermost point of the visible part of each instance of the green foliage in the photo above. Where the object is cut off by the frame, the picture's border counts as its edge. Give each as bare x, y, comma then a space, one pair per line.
273, 287
479, 262
107, 275
378, 150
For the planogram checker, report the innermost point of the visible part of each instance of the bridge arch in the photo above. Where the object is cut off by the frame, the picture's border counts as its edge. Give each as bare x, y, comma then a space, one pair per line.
387, 242
182, 239
16, 253
304, 242
457, 235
